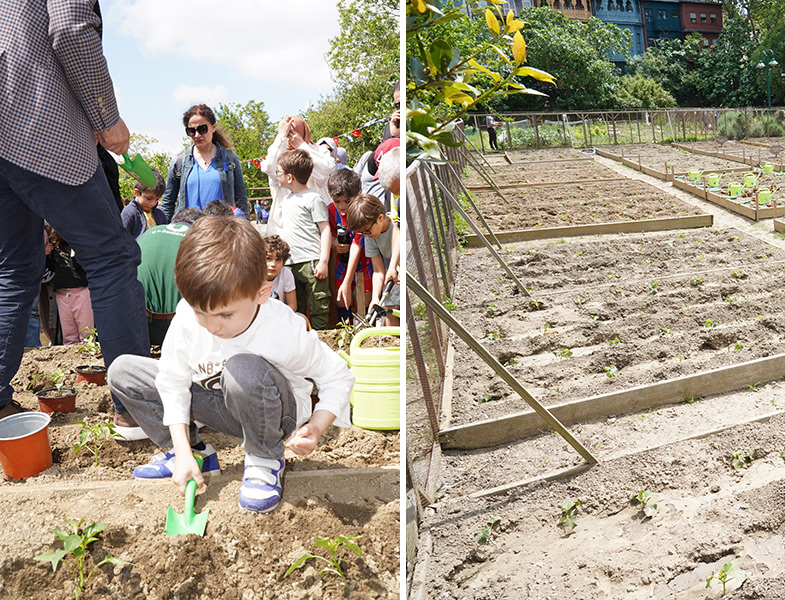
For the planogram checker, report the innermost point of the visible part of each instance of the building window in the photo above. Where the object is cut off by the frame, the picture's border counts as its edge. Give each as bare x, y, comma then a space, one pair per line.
629, 6
674, 14
693, 18
705, 43
649, 15
661, 15
713, 18
599, 6
703, 17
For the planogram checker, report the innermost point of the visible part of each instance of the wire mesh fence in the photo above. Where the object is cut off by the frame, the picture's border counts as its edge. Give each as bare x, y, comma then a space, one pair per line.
598, 128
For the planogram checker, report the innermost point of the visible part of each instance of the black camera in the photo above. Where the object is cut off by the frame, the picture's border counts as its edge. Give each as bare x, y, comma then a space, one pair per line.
343, 237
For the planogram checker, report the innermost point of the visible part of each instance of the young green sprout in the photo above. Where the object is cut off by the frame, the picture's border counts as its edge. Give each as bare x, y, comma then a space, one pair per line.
484, 535
75, 544
725, 576
611, 371
741, 460
563, 353
569, 520
90, 346
644, 498
93, 437
335, 547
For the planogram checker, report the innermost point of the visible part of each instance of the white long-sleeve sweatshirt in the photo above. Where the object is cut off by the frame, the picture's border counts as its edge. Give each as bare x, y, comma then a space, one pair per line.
191, 355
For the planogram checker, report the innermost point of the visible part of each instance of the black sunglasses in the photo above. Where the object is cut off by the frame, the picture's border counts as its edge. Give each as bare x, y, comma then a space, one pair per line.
192, 131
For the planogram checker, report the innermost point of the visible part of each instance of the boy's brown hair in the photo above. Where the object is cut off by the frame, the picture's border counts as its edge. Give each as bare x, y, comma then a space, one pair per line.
343, 183
217, 262
158, 189
275, 243
298, 164
363, 211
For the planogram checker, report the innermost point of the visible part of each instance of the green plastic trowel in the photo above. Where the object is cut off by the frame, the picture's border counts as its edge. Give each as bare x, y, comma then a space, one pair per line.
189, 521
139, 170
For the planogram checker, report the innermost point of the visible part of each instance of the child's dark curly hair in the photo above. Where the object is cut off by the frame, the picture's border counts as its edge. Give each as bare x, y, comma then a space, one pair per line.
275, 243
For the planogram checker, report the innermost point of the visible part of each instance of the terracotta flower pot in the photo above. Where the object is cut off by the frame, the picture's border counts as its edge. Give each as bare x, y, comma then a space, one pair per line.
96, 375
53, 401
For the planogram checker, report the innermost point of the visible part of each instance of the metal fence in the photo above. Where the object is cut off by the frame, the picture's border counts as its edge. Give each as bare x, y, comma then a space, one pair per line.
597, 128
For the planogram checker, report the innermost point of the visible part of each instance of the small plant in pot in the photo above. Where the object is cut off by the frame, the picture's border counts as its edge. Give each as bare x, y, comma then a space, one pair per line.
92, 349
58, 398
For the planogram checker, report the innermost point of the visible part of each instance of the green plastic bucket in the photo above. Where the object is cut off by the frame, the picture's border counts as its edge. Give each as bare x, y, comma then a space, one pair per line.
376, 398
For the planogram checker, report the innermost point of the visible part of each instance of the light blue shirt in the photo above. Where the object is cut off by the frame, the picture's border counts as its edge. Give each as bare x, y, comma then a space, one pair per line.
202, 187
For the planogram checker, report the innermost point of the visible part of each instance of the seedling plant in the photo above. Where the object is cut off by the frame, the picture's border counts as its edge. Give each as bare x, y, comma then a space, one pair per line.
93, 437
569, 519
90, 346
741, 460
725, 576
644, 498
57, 377
336, 548
484, 535
611, 371
74, 552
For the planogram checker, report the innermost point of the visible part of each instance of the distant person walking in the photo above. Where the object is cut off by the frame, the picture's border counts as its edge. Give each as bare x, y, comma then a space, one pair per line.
491, 124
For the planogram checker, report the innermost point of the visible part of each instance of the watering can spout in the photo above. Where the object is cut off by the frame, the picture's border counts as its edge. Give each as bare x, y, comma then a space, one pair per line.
344, 356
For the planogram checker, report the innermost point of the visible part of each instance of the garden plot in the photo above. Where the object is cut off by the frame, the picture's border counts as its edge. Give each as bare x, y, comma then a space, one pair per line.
581, 169
708, 513
753, 195
348, 486
611, 313
536, 155
578, 204
662, 161
737, 152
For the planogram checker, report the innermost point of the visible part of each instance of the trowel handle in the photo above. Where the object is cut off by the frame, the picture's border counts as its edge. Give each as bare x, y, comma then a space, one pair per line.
190, 494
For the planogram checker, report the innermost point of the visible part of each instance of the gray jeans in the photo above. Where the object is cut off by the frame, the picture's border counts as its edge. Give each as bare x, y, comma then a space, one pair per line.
255, 402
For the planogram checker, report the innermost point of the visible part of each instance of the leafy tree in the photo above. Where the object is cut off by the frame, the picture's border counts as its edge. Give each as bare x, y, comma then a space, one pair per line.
364, 63
578, 55
444, 83
638, 91
726, 75
667, 62
251, 132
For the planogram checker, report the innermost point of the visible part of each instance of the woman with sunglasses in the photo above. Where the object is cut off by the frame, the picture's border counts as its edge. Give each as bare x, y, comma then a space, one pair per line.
208, 171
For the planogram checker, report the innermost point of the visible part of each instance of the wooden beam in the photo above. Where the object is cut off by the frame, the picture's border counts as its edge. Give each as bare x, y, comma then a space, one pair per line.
493, 432
779, 225
514, 186
571, 471
663, 224
447, 390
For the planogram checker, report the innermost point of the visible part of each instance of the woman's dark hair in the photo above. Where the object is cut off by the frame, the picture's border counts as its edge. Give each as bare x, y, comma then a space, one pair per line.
219, 136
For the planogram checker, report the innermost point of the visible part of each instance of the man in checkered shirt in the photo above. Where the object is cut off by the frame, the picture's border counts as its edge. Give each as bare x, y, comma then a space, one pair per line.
56, 101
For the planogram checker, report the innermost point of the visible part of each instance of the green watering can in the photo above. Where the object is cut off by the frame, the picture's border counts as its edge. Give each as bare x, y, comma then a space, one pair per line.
734, 189
713, 179
376, 398
750, 179
764, 196
139, 170
768, 168
694, 174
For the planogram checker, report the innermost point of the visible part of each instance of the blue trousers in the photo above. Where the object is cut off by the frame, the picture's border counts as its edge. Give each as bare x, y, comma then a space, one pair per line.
86, 216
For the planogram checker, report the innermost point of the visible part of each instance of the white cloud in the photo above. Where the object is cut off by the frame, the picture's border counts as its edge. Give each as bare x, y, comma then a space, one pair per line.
270, 42
188, 95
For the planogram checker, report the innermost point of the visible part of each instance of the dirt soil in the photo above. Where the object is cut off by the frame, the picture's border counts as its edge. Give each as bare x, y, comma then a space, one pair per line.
580, 169
655, 306
707, 514
655, 156
578, 204
733, 150
348, 486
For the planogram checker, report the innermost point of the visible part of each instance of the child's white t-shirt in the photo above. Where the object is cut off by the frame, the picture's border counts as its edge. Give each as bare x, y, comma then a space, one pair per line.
283, 282
191, 355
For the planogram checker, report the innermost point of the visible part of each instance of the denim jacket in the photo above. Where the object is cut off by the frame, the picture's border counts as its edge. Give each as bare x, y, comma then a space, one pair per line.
229, 170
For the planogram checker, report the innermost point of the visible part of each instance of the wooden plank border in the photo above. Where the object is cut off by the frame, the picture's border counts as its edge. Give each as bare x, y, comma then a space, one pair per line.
779, 225
664, 224
746, 211
492, 432
515, 186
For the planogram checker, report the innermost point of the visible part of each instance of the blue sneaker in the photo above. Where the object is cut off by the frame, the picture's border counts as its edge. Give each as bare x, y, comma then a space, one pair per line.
161, 465
261, 489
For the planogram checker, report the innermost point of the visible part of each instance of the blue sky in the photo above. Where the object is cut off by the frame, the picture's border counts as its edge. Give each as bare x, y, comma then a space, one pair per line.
165, 55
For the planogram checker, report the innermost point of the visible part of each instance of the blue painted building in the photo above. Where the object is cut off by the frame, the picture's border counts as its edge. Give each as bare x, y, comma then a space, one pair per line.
663, 20
627, 15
